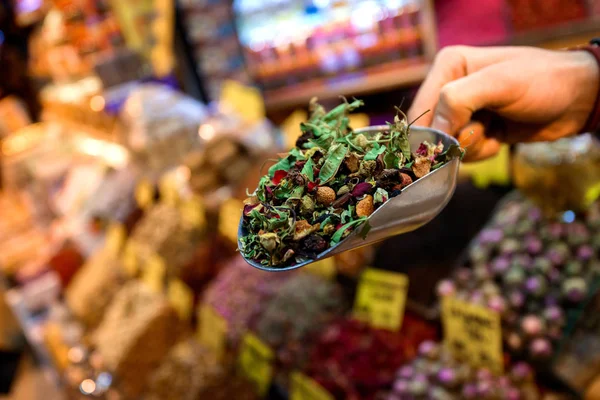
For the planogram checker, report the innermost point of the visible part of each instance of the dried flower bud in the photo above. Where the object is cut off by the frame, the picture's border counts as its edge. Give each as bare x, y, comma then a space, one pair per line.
421, 166
367, 168
307, 205
325, 195
364, 208
361, 141
352, 162
343, 190
269, 241
329, 229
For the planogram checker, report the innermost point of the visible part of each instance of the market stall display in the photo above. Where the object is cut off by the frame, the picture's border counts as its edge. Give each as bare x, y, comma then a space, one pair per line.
94, 286
302, 307
435, 374
137, 331
239, 295
343, 362
535, 272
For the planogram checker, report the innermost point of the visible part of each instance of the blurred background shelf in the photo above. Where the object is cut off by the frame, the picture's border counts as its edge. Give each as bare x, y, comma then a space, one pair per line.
384, 77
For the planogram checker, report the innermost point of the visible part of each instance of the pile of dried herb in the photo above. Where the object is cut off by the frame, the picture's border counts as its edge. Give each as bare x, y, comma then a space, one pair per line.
330, 183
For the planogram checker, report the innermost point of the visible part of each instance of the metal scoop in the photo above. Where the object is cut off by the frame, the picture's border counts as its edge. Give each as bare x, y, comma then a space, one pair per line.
418, 203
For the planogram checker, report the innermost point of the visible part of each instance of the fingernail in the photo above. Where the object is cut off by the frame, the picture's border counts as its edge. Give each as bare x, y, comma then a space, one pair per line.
441, 123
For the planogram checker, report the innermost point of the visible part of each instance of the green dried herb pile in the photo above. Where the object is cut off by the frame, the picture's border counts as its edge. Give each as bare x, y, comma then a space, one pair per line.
330, 183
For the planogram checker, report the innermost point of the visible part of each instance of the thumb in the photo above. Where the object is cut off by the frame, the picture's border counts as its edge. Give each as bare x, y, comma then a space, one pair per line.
490, 87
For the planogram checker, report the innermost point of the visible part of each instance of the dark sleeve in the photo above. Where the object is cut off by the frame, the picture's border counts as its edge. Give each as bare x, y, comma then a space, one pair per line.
593, 122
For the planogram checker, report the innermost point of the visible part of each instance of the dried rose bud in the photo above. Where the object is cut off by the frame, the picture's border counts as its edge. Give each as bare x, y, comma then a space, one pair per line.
352, 162
421, 166
364, 208
329, 229
361, 141
325, 195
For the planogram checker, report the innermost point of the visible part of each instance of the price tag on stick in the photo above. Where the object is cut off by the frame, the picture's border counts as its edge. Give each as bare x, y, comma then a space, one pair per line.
115, 238
473, 333
229, 218
181, 298
305, 388
212, 330
144, 194
154, 273
381, 298
256, 363
130, 260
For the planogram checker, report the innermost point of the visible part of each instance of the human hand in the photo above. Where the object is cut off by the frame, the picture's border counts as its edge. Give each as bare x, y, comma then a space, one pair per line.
534, 95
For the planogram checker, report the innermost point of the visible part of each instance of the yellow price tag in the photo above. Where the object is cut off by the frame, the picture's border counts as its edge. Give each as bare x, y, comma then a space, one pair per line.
359, 121
212, 330
229, 218
495, 170
167, 188
181, 298
144, 194
193, 212
130, 260
324, 268
305, 388
154, 273
115, 238
381, 298
247, 101
256, 363
473, 333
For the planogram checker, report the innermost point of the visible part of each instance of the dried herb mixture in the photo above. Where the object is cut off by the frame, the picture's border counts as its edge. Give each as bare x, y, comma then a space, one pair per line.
330, 183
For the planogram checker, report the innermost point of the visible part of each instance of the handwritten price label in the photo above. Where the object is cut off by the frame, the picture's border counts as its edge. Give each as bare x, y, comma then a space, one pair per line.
192, 212
154, 273
144, 194
212, 330
381, 298
305, 388
130, 259
229, 218
181, 298
256, 363
473, 333
115, 238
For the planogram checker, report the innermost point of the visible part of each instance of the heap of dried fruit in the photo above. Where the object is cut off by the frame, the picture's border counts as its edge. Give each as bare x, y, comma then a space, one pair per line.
329, 184
436, 375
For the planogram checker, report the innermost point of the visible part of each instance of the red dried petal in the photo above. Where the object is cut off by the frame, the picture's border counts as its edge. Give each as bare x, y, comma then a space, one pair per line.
312, 186
423, 150
361, 189
278, 176
248, 208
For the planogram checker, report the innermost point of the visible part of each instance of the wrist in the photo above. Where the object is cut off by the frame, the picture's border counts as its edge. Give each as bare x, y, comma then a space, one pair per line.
592, 72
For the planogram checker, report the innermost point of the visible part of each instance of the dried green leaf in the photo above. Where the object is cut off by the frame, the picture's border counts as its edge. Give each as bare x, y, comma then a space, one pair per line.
339, 234
308, 170
334, 159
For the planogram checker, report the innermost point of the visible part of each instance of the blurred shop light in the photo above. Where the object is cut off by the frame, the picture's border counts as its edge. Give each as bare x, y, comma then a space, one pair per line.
113, 154
206, 132
97, 103
1, 37
568, 216
88, 386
